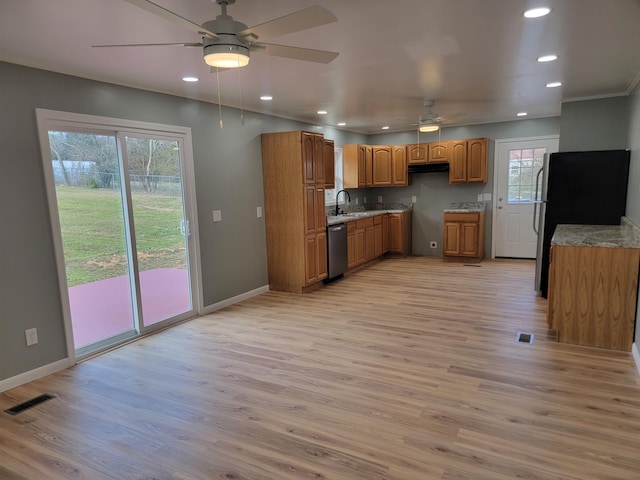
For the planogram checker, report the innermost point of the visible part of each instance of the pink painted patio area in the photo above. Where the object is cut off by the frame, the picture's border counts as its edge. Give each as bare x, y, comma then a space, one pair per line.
103, 309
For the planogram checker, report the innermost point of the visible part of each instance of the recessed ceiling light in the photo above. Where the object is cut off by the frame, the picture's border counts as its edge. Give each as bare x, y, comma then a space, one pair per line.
322, 112
537, 12
342, 124
522, 114
266, 97
190, 79
554, 84
547, 58
386, 127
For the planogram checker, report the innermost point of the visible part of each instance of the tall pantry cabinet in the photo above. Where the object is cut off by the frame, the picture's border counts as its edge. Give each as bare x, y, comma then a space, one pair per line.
295, 216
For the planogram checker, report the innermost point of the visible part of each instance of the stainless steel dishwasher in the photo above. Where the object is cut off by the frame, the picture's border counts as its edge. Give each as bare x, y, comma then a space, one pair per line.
336, 251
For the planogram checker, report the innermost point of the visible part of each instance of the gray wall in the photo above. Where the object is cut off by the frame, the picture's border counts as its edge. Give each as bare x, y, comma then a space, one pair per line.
228, 169
594, 124
433, 191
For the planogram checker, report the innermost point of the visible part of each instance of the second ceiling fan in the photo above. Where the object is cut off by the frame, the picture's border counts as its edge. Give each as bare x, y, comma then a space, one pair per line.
227, 43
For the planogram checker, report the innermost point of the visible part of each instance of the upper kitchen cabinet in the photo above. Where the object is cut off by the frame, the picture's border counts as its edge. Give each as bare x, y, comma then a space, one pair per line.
399, 173
374, 166
434, 152
328, 158
381, 160
439, 152
468, 161
357, 166
295, 217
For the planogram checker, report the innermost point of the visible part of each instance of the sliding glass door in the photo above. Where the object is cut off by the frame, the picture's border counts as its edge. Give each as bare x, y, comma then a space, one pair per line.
122, 214
161, 227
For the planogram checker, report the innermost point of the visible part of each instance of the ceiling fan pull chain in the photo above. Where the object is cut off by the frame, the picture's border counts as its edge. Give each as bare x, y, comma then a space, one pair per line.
219, 101
241, 106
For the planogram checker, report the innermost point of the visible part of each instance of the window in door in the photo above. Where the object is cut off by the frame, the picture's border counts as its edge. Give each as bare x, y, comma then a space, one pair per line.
524, 165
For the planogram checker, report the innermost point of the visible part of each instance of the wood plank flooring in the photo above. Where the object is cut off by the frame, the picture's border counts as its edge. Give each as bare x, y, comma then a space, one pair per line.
408, 369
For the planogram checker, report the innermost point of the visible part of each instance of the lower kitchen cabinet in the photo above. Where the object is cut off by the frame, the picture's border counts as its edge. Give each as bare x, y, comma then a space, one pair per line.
593, 294
400, 233
315, 253
463, 237
371, 237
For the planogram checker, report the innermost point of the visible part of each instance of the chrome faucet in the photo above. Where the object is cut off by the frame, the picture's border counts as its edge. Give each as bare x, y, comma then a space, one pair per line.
348, 198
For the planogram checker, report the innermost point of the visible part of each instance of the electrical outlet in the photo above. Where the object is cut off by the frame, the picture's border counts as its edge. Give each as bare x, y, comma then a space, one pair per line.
259, 212
433, 244
365, 200
414, 199
31, 336
479, 197
217, 215
357, 201
379, 198
486, 197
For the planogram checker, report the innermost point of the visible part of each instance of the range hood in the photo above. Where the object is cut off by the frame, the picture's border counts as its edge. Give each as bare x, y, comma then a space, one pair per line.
429, 167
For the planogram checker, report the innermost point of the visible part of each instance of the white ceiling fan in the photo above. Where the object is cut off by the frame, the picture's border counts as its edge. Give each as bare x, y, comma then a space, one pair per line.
227, 43
429, 121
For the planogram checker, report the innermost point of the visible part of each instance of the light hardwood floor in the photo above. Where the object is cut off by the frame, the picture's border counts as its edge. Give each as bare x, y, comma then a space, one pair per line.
408, 369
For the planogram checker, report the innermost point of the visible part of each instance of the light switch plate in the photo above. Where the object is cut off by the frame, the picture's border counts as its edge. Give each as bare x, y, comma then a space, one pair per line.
259, 212
217, 215
487, 197
479, 197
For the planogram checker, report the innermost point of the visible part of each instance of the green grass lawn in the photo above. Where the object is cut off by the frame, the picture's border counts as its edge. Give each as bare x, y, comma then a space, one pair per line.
93, 233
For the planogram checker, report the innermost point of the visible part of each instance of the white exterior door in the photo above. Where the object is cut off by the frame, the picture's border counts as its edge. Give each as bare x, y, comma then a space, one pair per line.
518, 162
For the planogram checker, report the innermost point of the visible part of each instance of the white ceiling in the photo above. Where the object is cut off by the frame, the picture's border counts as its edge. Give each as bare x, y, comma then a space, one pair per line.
475, 58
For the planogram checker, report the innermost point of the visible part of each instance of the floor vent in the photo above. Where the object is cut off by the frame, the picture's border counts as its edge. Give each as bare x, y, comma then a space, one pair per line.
524, 337
29, 403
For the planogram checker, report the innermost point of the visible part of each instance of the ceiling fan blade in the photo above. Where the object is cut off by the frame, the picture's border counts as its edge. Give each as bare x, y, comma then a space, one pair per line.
172, 17
151, 45
294, 22
297, 53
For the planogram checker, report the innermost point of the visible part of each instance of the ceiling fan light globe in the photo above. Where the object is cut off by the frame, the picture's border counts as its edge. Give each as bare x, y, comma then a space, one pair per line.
429, 128
226, 56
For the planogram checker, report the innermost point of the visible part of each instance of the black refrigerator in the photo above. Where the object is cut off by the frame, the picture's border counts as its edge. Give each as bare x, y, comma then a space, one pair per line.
587, 188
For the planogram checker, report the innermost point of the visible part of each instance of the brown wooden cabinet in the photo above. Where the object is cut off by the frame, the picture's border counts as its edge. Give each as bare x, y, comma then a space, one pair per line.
351, 245
417, 153
399, 173
400, 233
295, 216
357, 166
378, 248
371, 237
439, 152
385, 233
382, 168
463, 237
328, 159
468, 161
592, 295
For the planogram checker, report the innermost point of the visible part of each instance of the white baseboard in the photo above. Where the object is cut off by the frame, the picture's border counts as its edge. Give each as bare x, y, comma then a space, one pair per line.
236, 299
34, 374
636, 356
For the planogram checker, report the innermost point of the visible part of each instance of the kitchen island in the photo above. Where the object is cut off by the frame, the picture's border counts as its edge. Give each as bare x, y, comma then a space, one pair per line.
593, 283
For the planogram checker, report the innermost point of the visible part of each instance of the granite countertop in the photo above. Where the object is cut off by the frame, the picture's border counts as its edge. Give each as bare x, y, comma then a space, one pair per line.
606, 236
465, 207
356, 215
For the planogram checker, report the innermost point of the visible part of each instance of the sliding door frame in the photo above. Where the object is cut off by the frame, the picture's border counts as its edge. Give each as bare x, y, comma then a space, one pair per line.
65, 121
